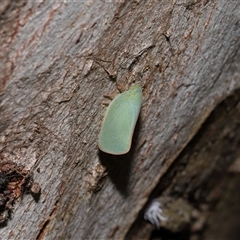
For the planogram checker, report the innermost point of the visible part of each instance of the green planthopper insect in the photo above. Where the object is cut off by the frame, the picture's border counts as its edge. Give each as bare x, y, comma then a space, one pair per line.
119, 122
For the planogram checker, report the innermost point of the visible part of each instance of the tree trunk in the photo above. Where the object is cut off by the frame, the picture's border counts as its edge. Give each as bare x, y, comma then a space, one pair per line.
60, 58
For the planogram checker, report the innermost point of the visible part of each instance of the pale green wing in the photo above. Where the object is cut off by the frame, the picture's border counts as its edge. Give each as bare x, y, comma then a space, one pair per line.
119, 122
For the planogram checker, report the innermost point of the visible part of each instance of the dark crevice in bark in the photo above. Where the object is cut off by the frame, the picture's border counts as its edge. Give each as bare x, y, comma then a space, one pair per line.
202, 177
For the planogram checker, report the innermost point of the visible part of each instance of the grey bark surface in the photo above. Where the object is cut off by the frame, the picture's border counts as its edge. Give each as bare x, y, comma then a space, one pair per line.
60, 58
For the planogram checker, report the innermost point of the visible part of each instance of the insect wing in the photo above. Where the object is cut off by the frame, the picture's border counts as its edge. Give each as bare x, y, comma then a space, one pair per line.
119, 122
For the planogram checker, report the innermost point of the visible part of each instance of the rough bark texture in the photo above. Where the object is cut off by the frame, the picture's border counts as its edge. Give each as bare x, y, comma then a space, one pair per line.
60, 58
201, 189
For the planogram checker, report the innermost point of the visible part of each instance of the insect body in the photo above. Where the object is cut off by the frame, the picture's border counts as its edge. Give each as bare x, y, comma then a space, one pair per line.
119, 122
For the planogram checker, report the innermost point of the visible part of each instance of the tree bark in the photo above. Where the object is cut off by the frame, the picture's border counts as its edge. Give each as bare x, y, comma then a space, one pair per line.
60, 58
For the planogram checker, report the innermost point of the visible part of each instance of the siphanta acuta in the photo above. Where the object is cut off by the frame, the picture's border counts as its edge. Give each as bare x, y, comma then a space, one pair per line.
119, 122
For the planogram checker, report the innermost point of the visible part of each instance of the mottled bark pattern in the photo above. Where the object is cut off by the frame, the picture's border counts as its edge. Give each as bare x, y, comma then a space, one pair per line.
58, 59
